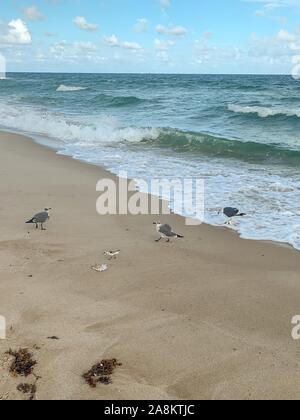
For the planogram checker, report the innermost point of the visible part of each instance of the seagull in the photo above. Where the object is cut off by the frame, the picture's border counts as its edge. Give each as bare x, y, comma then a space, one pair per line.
231, 212
165, 231
41, 218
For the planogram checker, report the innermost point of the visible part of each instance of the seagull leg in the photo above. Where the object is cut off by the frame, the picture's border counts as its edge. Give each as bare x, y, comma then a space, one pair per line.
158, 240
42, 227
36, 226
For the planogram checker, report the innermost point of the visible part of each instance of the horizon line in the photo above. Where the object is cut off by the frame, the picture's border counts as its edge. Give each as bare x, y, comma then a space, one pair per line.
153, 73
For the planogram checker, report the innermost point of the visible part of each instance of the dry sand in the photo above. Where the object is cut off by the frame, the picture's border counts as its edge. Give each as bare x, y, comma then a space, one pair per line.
207, 317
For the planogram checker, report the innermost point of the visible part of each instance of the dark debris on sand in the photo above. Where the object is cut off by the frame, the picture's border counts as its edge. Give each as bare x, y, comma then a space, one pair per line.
23, 364
101, 373
28, 389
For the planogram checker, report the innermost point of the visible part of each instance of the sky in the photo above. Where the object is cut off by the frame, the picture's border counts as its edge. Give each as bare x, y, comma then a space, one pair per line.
151, 36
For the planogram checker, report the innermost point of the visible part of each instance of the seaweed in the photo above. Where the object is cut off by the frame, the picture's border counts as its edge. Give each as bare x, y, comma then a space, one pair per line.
28, 389
101, 373
23, 364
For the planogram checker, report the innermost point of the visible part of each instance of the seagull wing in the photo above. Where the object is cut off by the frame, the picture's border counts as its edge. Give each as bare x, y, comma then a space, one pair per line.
41, 217
231, 212
166, 230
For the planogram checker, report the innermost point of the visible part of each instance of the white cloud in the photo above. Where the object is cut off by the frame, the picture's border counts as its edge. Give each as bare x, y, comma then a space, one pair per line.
275, 4
268, 7
58, 49
278, 49
134, 46
76, 52
84, 25
16, 33
32, 13
209, 54
165, 4
163, 56
141, 25
285, 36
85, 46
172, 30
112, 41
161, 48
160, 45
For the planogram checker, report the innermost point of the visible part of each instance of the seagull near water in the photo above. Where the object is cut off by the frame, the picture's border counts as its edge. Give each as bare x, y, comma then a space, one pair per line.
40, 218
166, 232
231, 212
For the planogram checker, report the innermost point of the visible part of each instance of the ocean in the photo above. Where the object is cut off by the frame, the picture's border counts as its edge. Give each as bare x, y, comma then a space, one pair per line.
241, 134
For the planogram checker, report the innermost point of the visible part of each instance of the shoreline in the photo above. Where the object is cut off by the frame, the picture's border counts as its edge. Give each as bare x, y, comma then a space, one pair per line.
43, 143
207, 317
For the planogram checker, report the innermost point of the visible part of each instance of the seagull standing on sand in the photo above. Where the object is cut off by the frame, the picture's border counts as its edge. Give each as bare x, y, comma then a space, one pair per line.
40, 218
166, 232
231, 212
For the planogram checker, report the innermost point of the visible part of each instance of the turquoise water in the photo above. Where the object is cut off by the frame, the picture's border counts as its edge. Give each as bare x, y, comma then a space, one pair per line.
241, 134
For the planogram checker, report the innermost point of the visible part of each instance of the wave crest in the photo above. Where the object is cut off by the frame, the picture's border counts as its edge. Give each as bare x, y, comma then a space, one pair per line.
64, 88
209, 145
263, 112
101, 130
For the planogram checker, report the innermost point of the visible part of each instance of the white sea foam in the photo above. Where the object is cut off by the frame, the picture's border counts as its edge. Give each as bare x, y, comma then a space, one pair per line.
64, 88
78, 131
264, 112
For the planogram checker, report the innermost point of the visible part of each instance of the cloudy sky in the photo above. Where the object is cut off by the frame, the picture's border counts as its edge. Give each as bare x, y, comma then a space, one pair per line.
157, 36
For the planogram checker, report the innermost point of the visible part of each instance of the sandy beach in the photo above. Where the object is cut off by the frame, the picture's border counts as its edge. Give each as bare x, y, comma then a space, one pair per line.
206, 317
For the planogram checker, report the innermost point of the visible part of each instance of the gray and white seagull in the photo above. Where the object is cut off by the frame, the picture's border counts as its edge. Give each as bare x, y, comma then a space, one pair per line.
166, 232
231, 212
40, 218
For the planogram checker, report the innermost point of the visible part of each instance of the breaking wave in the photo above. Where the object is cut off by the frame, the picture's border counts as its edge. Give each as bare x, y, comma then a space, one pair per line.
105, 130
264, 112
208, 145
101, 130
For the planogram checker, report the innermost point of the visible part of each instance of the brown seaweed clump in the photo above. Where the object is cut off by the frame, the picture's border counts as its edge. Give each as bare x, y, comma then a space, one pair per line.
101, 373
23, 364
28, 389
